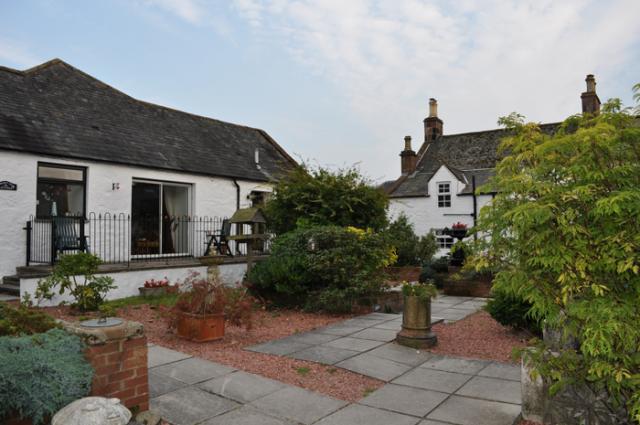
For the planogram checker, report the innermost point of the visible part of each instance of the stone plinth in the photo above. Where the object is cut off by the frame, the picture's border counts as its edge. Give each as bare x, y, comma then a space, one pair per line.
118, 355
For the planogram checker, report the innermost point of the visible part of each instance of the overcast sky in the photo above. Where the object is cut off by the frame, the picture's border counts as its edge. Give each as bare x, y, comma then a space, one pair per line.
340, 82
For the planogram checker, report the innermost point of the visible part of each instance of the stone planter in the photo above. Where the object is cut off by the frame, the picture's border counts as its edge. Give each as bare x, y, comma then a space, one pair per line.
416, 324
152, 292
200, 327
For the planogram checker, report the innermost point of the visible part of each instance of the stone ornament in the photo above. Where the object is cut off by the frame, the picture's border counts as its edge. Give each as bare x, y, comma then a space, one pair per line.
93, 411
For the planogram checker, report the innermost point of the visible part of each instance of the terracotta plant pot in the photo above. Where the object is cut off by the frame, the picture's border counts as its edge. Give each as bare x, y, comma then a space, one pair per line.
200, 327
416, 324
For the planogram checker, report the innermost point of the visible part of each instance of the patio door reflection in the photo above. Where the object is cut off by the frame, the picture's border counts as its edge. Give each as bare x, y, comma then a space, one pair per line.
159, 219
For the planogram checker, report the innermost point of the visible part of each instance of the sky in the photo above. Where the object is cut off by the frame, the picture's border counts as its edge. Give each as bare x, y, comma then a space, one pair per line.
340, 82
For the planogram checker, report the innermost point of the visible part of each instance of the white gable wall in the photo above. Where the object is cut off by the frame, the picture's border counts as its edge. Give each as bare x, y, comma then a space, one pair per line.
211, 196
424, 213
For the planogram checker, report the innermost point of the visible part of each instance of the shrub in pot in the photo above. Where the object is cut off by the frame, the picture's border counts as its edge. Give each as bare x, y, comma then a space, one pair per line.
152, 287
416, 317
198, 314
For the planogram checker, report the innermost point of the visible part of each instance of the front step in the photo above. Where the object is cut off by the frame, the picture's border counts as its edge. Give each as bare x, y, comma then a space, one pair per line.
10, 285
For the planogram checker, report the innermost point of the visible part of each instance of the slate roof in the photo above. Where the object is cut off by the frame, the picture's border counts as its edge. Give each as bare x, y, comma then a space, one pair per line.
56, 109
465, 154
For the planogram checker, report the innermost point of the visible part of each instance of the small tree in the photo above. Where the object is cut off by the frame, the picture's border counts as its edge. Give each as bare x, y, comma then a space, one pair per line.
565, 236
411, 249
322, 197
75, 273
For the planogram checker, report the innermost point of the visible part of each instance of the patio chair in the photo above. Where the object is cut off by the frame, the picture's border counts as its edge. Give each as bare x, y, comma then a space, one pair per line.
65, 235
220, 239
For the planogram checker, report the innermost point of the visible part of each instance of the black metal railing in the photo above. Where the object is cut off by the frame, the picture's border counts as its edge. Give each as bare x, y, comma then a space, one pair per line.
121, 238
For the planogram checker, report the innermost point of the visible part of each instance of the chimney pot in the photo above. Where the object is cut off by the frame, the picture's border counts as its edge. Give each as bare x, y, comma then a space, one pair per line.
407, 143
591, 83
433, 108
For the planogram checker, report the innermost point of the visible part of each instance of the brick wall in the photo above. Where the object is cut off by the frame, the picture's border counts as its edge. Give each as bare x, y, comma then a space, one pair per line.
118, 355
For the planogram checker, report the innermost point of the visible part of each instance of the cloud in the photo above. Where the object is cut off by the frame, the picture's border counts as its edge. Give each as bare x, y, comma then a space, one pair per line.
480, 59
189, 10
17, 54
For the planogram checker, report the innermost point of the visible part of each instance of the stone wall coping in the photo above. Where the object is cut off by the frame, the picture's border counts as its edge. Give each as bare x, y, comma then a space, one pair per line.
96, 336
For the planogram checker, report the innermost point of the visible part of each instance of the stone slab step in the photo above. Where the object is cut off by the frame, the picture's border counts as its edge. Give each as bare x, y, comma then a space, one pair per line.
9, 288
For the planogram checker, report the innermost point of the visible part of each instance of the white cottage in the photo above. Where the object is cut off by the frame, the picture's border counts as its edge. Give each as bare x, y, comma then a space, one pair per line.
85, 166
436, 185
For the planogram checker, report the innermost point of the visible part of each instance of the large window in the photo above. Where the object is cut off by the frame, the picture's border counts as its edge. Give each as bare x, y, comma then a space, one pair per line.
159, 218
444, 195
61, 191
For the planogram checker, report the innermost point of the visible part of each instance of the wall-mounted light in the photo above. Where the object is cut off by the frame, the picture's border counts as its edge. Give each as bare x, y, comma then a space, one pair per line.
115, 186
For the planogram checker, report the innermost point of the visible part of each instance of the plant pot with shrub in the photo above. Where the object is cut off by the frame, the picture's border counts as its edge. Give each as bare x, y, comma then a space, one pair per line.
416, 317
198, 314
153, 288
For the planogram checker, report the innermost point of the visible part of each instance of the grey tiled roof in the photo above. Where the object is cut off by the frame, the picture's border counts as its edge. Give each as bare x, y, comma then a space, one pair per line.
466, 155
56, 109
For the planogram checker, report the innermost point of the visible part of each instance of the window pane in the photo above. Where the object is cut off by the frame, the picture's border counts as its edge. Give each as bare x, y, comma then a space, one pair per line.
60, 199
58, 173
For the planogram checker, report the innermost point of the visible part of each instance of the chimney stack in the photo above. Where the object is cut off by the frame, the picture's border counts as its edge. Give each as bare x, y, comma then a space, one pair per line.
590, 100
408, 157
432, 124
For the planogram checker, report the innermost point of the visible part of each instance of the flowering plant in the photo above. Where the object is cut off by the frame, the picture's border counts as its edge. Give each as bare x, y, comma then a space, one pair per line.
459, 226
152, 283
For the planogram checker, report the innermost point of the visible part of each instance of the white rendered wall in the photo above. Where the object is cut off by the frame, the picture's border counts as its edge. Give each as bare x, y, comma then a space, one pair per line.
128, 282
424, 213
211, 196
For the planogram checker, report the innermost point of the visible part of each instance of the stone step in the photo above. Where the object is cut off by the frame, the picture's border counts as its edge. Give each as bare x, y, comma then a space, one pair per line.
11, 289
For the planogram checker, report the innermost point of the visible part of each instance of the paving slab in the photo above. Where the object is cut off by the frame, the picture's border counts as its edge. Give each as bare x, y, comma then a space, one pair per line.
363, 323
394, 325
158, 356
241, 386
401, 354
384, 335
363, 415
324, 354
407, 400
160, 384
247, 415
190, 405
339, 329
469, 411
279, 347
381, 316
355, 344
193, 370
376, 367
297, 404
313, 337
430, 422
502, 371
492, 389
454, 364
430, 379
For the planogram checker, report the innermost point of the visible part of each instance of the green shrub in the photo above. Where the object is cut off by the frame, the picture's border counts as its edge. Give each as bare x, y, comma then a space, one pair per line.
22, 320
510, 310
323, 268
411, 249
75, 273
40, 374
307, 196
440, 264
428, 274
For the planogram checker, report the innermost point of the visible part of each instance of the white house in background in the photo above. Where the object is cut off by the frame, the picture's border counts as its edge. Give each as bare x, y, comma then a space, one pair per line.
436, 185
137, 181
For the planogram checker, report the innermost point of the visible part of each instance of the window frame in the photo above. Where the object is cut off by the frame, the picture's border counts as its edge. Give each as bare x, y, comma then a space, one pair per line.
443, 241
444, 197
83, 183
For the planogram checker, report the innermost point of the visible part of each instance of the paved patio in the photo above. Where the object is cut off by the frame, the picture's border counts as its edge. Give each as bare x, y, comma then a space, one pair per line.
421, 389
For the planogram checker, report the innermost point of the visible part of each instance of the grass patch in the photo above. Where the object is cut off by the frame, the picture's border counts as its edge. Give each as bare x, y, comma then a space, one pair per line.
367, 391
303, 371
157, 300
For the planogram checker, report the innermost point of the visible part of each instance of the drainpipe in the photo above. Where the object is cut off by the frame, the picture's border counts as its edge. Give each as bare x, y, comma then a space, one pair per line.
237, 194
475, 204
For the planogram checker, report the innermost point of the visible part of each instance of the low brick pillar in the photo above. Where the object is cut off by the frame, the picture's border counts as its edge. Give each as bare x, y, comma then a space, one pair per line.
118, 355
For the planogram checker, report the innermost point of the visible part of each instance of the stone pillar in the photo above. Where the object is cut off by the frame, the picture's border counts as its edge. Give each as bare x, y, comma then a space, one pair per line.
118, 355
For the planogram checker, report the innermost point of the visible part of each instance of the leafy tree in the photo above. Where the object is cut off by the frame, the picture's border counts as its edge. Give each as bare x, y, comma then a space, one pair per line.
565, 236
322, 197
326, 268
411, 249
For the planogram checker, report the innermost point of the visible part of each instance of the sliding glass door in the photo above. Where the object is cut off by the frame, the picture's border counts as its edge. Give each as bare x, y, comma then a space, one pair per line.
159, 218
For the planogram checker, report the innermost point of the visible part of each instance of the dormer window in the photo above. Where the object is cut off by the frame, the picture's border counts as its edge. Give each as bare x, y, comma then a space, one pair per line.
444, 195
